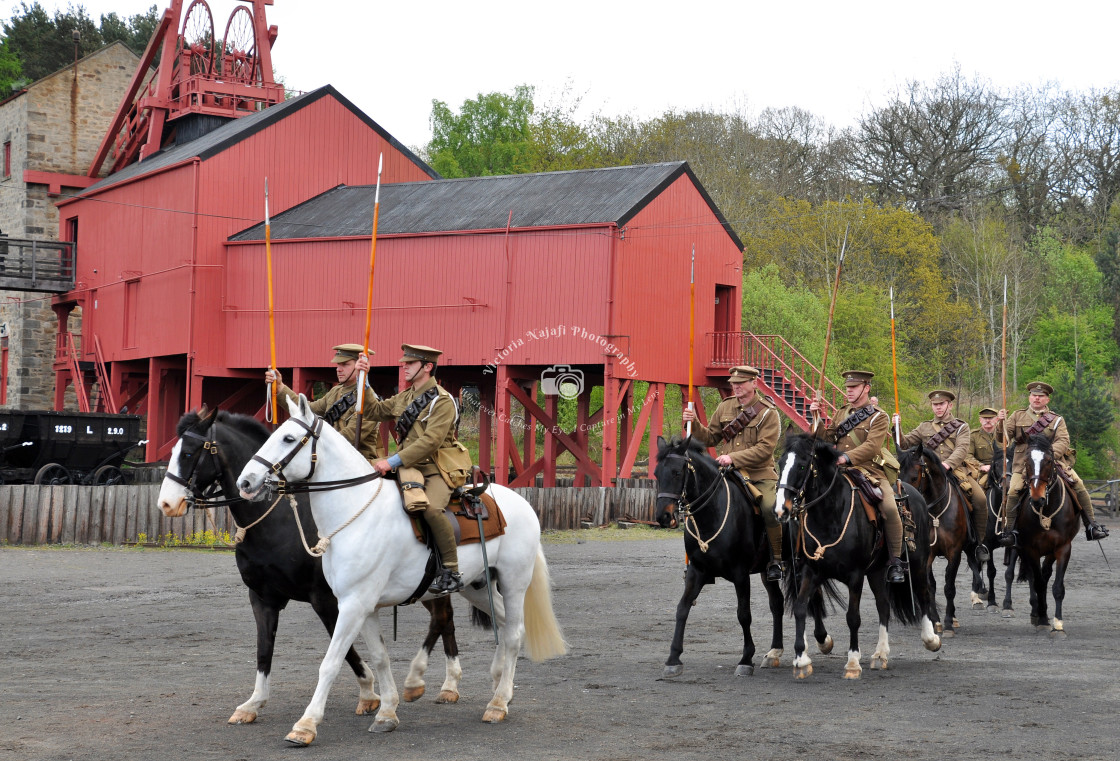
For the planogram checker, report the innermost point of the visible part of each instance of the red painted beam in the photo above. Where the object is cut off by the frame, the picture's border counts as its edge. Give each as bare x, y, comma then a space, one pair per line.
56, 181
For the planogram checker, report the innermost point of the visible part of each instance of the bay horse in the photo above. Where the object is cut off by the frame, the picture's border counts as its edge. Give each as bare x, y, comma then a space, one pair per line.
372, 560
835, 541
1047, 523
723, 538
213, 448
922, 468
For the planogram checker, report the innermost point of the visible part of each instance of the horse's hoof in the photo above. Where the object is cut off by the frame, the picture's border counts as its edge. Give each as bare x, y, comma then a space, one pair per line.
826, 646
1008, 613
744, 669
367, 707
878, 662
447, 696
1035, 621
412, 694
242, 717
1057, 634
771, 663
933, 645
993, 609
1040, 628
956, 623
978, 605
387, 724
948, 634
494, 715
672, 671
800, 672
938, 628
301, 737
853, 673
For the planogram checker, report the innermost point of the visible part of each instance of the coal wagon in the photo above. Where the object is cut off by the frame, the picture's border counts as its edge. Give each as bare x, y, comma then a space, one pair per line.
48, 447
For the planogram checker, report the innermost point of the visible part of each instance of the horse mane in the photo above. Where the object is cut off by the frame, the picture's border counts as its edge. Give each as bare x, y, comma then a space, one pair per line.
807, 444
1040, 441
919, 450
246, 423
188, 421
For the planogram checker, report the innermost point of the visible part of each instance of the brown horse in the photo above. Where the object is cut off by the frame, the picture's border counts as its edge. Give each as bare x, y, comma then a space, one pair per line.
948, 511
1047, 523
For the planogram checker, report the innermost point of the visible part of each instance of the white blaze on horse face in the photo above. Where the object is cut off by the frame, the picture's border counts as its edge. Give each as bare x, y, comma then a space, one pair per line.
172, 496
783, 478
1036, 459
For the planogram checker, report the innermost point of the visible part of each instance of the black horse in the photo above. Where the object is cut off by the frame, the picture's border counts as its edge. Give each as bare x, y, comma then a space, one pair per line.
952, 537
1047, 523
993, 493
835, 541
271, 556
724, 538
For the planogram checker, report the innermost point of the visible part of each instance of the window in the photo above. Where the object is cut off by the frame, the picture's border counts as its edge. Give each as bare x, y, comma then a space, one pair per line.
7, 158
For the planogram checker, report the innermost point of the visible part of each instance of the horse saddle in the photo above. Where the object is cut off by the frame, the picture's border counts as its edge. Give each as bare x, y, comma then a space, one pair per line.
870, 495
469, 503
749, 490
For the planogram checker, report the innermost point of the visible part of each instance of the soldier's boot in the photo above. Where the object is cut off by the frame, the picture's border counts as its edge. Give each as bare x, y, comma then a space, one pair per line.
980, 523
449, 581
1093, 530
1009, 536
896, 571
892, 524
775, 569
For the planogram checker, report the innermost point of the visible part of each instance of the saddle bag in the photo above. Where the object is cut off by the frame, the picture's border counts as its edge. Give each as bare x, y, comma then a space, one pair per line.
454, 463
412, 490
869, 490
888, 463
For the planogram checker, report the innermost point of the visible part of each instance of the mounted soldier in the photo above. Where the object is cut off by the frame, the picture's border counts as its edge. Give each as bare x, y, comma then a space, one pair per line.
859, 431
950, 438
982, 444
1021, 425
429, 461
745, 429
339, 406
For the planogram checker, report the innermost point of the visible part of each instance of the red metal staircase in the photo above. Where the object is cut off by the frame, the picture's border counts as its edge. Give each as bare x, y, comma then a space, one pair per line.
787, 377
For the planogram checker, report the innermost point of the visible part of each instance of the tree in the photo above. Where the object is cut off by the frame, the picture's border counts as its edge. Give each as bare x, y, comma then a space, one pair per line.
1089, 410
489, 136
11, 73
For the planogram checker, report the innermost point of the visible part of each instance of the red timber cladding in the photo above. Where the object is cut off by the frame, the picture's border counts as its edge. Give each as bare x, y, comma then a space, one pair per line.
123, 234
447, 291
654, 264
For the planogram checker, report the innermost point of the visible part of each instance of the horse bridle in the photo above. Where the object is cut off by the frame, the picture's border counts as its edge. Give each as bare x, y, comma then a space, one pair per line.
196, 495
280, 483
684, 507
799, 492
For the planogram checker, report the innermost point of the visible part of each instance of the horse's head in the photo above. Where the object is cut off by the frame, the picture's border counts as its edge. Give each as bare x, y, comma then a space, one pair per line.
190, 469
1040, 467
285, 455
919, 466
802, 456
675, 474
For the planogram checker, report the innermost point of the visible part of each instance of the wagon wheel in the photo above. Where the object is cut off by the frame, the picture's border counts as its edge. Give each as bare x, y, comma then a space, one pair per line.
107, 475
197, 36
52, 474
239, 59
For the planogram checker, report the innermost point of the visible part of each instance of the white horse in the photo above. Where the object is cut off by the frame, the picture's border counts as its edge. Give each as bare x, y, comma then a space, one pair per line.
372, 559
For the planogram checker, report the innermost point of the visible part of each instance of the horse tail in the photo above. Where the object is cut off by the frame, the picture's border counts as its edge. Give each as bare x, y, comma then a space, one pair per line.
828, 588
481, 618
543, 638
911, 600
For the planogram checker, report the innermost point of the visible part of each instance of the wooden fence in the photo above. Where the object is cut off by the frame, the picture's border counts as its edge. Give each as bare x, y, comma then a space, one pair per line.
128, 514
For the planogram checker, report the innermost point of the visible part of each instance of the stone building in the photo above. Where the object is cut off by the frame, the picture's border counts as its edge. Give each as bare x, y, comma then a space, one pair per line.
50, 132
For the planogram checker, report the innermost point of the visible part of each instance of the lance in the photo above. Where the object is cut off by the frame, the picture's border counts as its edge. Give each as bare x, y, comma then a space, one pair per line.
271, 408
1006, 481
828, 329
691, 335
894, 373
369, 303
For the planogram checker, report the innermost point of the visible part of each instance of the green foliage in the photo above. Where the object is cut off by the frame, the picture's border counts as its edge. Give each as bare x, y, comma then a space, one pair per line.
1089, 410
11, 73
489, 136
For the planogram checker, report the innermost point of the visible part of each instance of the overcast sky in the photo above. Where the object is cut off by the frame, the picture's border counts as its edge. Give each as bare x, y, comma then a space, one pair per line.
834, 59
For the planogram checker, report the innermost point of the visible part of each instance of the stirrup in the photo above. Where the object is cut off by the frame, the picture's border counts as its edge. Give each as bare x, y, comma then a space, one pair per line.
1095, 531
446, 583
775, 571
1008, 538
896, 571
981, 553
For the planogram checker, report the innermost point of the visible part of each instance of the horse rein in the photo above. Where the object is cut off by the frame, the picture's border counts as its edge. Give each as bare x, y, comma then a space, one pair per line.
277, 469
194, 494
686, 511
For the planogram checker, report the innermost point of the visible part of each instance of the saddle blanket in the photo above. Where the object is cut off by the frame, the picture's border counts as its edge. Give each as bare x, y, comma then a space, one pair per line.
466, 526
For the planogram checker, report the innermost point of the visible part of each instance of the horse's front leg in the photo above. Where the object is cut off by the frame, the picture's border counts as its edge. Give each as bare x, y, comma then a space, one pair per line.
267, 617
773, 657
976, 597
1061, 560
441, 625
992, 607
505, 656
326, 607
386, 719
350, 620
853, 669
694, 582
952, 566
743, 595
1009, 579
820, 634
1040, 603
802, 664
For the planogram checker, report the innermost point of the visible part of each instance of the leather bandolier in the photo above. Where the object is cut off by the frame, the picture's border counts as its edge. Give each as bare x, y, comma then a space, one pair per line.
340, 408
946, 431
1040, 425
850, 422
741, 421
412, 412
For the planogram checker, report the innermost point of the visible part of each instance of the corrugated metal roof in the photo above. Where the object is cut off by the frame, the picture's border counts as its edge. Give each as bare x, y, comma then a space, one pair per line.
580, 197
235, 131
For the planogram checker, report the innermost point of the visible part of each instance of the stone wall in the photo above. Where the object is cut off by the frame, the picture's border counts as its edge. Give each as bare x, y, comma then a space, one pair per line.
56, 126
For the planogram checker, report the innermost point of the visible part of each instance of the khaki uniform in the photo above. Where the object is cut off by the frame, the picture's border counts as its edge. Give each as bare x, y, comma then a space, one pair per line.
862, 445
347, 425
1018, 422
433, 429
953, 451
751, 452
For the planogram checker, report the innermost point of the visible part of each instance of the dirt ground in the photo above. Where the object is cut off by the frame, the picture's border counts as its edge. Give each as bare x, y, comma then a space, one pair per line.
143, 654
